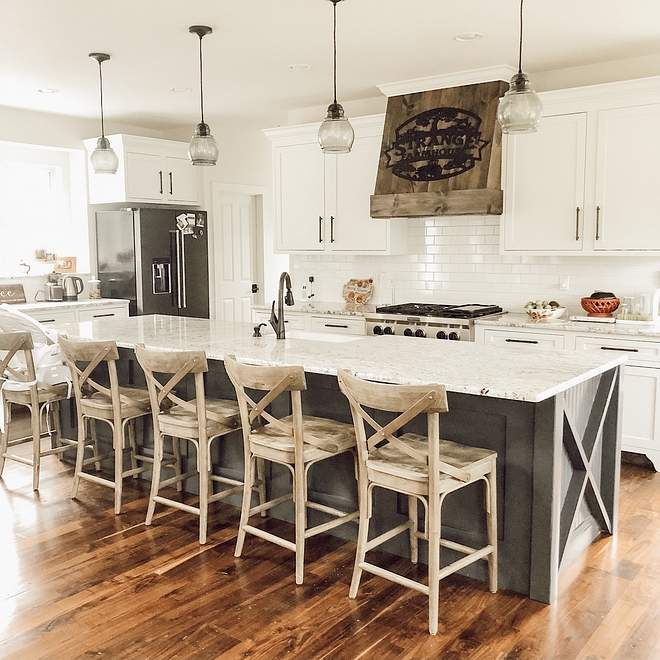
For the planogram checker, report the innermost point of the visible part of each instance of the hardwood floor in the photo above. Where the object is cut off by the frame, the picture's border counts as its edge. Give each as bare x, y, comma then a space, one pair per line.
78, 582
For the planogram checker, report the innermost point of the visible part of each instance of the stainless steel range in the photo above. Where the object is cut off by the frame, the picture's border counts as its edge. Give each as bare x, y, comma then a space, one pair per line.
430, 321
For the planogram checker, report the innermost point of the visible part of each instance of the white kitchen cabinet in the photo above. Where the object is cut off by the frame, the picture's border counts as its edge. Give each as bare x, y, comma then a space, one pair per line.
340, 325
150, 171
641, 375
53, 317
71, 312
583, 184
322, 201
544, 199
292, 321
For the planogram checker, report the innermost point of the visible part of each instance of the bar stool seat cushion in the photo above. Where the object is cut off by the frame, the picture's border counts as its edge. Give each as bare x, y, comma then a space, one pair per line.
391, 460
46, 393
323, 437
181, 422
134, 401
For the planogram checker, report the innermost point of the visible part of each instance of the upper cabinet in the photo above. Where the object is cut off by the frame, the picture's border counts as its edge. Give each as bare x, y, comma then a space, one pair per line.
583, 183
322, 201
150, 171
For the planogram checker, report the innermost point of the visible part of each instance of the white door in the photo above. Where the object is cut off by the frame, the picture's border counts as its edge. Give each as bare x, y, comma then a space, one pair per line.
234, 255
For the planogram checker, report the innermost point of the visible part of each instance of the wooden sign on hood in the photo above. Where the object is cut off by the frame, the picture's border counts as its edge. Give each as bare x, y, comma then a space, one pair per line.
441, 154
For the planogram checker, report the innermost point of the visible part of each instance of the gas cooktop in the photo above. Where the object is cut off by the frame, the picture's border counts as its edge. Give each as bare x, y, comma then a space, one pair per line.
440, 311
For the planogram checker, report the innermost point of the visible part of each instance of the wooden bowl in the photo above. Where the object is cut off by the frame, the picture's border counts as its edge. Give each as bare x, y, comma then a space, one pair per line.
602, 307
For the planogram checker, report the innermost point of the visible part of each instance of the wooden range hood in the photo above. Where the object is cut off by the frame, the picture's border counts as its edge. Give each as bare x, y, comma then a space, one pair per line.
441, 154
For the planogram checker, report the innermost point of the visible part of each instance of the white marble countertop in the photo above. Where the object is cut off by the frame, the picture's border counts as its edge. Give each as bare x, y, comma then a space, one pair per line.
343, 308
45, 306
505, 372
518, 320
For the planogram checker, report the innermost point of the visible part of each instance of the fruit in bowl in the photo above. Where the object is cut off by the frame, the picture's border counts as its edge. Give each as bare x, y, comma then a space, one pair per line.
541, 310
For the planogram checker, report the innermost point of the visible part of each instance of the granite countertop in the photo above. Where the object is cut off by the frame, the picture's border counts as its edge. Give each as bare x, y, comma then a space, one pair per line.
518, 320
466, 367
339, 308
45, 306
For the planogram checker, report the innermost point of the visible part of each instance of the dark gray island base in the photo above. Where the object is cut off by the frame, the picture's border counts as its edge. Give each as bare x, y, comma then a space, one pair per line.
558, 452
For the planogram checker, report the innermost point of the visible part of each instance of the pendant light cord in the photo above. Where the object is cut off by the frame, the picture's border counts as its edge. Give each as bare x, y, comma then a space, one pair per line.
334, 47
521, 39
101, 88
201, 80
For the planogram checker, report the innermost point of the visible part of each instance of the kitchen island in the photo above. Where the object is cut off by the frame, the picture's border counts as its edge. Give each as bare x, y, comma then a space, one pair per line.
552, 417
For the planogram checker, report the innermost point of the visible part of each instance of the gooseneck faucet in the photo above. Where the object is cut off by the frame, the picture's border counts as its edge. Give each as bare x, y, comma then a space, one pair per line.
278, 321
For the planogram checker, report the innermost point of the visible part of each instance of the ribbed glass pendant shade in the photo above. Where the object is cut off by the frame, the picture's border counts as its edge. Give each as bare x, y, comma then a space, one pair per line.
336, 134
203, 149
520, 109
103, 159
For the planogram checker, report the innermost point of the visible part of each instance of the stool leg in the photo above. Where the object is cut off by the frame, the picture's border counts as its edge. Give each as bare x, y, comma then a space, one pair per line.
159, 440
300, 494
491, 509
4, 433
364, 503
95, 443
80, 453
54, 410
35, 419
176, 452
261, 483
412, 516
118, 442
435, 525
204, 484
132, 446
248, 483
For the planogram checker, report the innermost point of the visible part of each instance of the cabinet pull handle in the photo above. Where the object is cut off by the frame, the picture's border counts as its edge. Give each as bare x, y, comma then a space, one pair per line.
160, 176
332, 228
98, 316
577, 223
320, 229
170, 176
614, 348
598, 223
522, 341
46, 320
335, 325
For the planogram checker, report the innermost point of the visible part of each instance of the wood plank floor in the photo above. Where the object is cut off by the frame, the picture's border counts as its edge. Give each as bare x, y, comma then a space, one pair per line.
78, 582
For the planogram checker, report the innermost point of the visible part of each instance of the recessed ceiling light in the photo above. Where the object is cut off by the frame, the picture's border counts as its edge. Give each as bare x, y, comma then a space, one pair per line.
181, 89
48, 90
299, 67
468, 36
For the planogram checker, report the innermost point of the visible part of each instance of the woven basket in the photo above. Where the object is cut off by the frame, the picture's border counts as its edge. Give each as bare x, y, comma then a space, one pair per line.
599, 306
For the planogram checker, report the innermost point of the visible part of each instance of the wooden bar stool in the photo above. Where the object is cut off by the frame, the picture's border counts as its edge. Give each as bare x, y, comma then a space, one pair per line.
118, 406
41, 399
296, 441
424, 468
200, 421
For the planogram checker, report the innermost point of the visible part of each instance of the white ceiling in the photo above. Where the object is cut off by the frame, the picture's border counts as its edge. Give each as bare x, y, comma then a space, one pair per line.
45, 43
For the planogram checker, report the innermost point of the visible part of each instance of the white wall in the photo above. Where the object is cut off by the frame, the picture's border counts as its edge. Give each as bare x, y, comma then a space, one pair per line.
457, 260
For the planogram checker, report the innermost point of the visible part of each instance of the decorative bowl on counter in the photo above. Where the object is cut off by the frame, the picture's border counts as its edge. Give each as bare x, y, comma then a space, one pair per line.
600, 307
542, 310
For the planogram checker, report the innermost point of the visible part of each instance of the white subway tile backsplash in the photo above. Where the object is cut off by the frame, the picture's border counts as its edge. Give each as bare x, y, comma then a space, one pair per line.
456, 259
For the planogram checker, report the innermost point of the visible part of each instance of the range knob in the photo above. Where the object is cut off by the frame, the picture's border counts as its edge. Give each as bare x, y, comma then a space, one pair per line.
389, 330
441, 334
420, 333
408, 332
454, 336
377, 330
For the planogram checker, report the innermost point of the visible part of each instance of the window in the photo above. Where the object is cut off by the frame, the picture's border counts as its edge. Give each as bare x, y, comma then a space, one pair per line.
42, 207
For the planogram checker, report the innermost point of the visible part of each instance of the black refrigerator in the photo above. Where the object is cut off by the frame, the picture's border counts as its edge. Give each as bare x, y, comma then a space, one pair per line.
157, 258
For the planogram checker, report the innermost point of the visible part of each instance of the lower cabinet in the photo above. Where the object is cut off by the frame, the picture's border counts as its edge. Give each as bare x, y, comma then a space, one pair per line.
81, 311
321, 323
641, 376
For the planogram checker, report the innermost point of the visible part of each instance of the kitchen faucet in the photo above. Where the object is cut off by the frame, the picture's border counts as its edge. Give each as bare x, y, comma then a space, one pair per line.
278, 321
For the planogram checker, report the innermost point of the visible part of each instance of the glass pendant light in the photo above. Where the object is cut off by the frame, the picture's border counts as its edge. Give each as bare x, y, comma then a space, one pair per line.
104, 160
336, 133
520, 109
203, 149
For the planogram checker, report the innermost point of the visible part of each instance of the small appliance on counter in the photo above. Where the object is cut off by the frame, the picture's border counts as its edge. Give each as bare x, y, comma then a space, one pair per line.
54, 292
72, 287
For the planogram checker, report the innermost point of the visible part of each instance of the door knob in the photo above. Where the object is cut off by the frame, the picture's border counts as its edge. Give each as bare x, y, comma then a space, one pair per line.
255, 288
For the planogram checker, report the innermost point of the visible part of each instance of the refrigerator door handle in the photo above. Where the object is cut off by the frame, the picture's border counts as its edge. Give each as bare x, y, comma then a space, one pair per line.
180, 253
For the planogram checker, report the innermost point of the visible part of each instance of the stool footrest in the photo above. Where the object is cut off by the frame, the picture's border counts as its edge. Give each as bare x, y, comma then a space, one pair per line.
267, 536
390, 534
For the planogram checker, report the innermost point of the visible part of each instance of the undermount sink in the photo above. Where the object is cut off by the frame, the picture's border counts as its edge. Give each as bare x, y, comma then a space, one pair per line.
321, 336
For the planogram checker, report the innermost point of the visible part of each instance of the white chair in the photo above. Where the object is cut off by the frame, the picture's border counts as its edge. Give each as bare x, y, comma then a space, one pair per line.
21, 389
296, 441
426, 469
